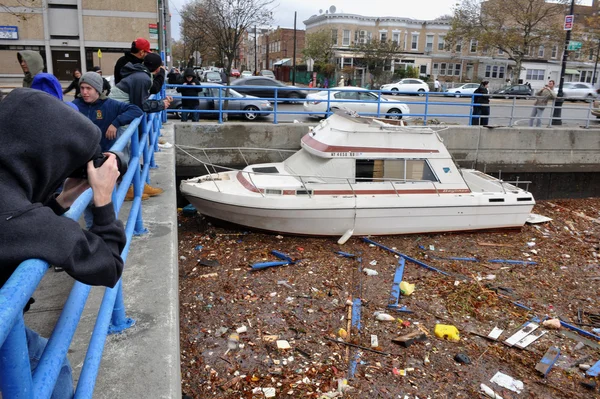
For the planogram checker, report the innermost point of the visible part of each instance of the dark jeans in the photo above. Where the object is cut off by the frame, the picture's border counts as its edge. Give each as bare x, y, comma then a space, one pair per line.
194, 115
480, 115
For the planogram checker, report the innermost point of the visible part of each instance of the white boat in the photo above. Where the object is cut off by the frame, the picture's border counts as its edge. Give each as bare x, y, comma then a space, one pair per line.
362, 176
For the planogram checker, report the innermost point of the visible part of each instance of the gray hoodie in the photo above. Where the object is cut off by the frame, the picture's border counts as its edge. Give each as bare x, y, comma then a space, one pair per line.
135, 87
35, 64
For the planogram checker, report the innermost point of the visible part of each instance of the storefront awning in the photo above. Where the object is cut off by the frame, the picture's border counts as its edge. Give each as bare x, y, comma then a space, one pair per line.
282, 62
571, 72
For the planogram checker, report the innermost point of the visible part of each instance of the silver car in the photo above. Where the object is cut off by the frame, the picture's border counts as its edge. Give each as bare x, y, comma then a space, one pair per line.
578, 91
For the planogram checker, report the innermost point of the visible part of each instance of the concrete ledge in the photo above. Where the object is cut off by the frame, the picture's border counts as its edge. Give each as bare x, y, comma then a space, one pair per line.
517, 149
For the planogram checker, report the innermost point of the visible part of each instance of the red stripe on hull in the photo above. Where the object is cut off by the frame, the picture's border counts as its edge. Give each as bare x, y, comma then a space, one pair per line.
322, 147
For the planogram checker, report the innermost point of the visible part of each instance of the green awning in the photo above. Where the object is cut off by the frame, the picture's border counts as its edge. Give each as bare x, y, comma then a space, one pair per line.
571, 72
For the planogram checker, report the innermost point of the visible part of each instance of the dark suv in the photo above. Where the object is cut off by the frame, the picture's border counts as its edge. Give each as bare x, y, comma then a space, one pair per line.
522, 91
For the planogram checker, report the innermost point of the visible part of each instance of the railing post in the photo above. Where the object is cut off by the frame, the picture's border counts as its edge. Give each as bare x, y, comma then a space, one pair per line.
426, 105
220, 106
379, 103
275, 108
119, 320
512, 111
15, 369
138, 186
154, 127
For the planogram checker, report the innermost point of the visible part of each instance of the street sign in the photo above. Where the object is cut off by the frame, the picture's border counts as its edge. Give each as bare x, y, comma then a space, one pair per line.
569, 20
153, 31
573, 45
99, 53
9, 32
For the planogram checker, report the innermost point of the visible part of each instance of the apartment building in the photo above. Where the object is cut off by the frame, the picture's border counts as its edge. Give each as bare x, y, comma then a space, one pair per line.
422, 45
73, 34
275, 48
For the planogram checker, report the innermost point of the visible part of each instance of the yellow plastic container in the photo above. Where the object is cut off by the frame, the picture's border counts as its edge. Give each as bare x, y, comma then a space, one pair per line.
406, 288
447, 332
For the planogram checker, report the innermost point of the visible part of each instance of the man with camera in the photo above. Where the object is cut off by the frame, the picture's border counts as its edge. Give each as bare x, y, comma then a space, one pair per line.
39, 151
543, 96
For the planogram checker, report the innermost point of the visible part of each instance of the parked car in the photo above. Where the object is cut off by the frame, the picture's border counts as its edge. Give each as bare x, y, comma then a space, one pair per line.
267, 73
237, 102
513, 91
574, 91
212, 77
407, 86
316, 103
266, 88
235, 73
246, 73
465, 90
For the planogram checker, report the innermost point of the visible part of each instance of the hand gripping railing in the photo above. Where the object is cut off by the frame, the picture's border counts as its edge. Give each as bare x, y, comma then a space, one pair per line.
16, 379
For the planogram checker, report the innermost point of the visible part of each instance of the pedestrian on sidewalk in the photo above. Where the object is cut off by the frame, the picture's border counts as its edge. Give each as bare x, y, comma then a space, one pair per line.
74, 84
543, 96
31, 63
60, 141
191, 90
436, 85
481, 105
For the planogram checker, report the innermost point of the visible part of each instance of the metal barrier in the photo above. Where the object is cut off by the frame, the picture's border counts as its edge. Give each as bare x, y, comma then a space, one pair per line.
16, 379
455, 110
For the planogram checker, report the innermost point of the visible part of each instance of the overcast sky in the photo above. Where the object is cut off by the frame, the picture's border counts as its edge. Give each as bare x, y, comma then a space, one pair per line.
284, 10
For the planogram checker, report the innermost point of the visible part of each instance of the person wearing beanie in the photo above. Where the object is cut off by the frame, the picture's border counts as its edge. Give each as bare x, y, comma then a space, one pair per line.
139, 48
105, 86
191, 89
31, 63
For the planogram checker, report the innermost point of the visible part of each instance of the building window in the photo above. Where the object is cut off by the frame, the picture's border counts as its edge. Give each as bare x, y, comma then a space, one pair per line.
488, 71
458, 46
414, 44
423, 70
441, 43
443, 68
334, 37
429, 43
346, 38
591, 56
457, 68
554, 51
541, 51
500, 52
383, 37
501, 73
473, 46
535, 74
396, 38
436, 69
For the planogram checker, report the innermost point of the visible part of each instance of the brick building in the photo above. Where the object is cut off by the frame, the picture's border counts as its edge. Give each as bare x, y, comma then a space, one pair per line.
276, 48
69, 33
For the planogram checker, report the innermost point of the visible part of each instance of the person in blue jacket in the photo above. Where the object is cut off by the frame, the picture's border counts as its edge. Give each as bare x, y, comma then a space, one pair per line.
48, 83
108, 114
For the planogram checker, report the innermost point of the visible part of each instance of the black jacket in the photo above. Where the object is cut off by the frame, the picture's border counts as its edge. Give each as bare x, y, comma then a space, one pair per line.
39, 150
173, 77
482, 99
124, 60
74, 85
192, 89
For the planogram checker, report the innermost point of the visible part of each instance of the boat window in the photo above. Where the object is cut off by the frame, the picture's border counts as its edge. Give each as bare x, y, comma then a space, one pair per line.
496, 200
525, 199
273, 191
303, 192
364, 170
394, 169
265, 169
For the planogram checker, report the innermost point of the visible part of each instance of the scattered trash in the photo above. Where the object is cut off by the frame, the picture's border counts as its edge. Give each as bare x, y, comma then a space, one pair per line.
591, 385
342, 333
283, 344
545, 365
495, 333
537, 219
512, 262
489, 392
409, 339
189, 210
525, 330
270, 338
165, 145
552, 323
370, 272
267, 392
373, 262
285, 284
462, 358
384, 316
406, 288
209, 275
208, 262
374, 341
594, 371
531, 244
233, 342
508, 382
241, 329
529, 339
447, 332
198, 248
584, 367
286, 260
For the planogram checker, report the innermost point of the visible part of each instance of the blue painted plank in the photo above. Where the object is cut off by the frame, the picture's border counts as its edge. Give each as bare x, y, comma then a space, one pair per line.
594, 370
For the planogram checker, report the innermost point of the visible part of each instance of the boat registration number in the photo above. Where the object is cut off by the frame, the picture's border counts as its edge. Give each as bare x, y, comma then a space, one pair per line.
345, 154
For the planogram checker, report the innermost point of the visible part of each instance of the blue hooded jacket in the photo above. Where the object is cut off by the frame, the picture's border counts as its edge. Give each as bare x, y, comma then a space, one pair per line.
48, 83
104, 113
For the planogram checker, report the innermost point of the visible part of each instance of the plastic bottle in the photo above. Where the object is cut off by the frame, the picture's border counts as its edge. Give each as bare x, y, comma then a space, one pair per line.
447, 332
406, 288
384, 316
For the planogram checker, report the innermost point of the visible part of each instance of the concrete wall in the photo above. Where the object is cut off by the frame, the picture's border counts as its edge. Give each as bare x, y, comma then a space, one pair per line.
500, 149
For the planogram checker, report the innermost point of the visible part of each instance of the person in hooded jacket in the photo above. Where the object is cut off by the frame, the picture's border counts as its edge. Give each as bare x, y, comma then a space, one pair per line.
174, 76
40, 151
139, 48
31, 63
481, 105
48, 83
191, 90
74, 84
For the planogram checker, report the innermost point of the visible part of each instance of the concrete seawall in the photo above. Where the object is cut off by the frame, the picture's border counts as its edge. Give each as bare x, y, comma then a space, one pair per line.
510, 150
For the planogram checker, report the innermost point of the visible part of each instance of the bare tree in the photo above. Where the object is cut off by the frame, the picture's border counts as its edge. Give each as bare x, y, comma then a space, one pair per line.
513, 26
15, 8
223, 24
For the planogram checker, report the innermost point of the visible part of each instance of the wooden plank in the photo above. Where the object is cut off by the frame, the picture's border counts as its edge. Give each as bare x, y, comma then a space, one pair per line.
531, 338
491, 244
527, 329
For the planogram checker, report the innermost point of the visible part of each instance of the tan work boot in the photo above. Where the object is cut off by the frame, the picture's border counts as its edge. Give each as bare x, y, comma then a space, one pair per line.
152, 191
129, 195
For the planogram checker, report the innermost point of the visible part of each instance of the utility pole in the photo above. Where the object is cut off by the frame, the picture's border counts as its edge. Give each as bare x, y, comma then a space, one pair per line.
167, 19
294, 60
255, 52
161, 24
558, 103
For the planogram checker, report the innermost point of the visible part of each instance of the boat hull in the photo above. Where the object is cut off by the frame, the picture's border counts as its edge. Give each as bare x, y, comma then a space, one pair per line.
367, 221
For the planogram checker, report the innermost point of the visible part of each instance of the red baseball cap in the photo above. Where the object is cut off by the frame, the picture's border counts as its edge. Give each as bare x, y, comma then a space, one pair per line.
142, 44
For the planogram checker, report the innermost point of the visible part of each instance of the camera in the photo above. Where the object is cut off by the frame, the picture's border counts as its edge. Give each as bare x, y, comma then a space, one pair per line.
98, 160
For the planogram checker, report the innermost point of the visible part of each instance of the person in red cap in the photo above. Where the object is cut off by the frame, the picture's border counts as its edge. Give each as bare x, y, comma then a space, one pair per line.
139, 48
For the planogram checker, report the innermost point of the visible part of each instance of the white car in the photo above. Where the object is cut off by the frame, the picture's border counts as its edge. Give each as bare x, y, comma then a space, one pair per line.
245, 74
407, 86
578, 91
363, 101
463, 90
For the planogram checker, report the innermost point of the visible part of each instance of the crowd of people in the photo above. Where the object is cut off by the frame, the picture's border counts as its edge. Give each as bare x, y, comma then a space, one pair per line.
46, 141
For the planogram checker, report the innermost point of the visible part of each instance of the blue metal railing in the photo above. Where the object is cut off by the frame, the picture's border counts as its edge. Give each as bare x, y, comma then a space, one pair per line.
427, 100
16, 379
